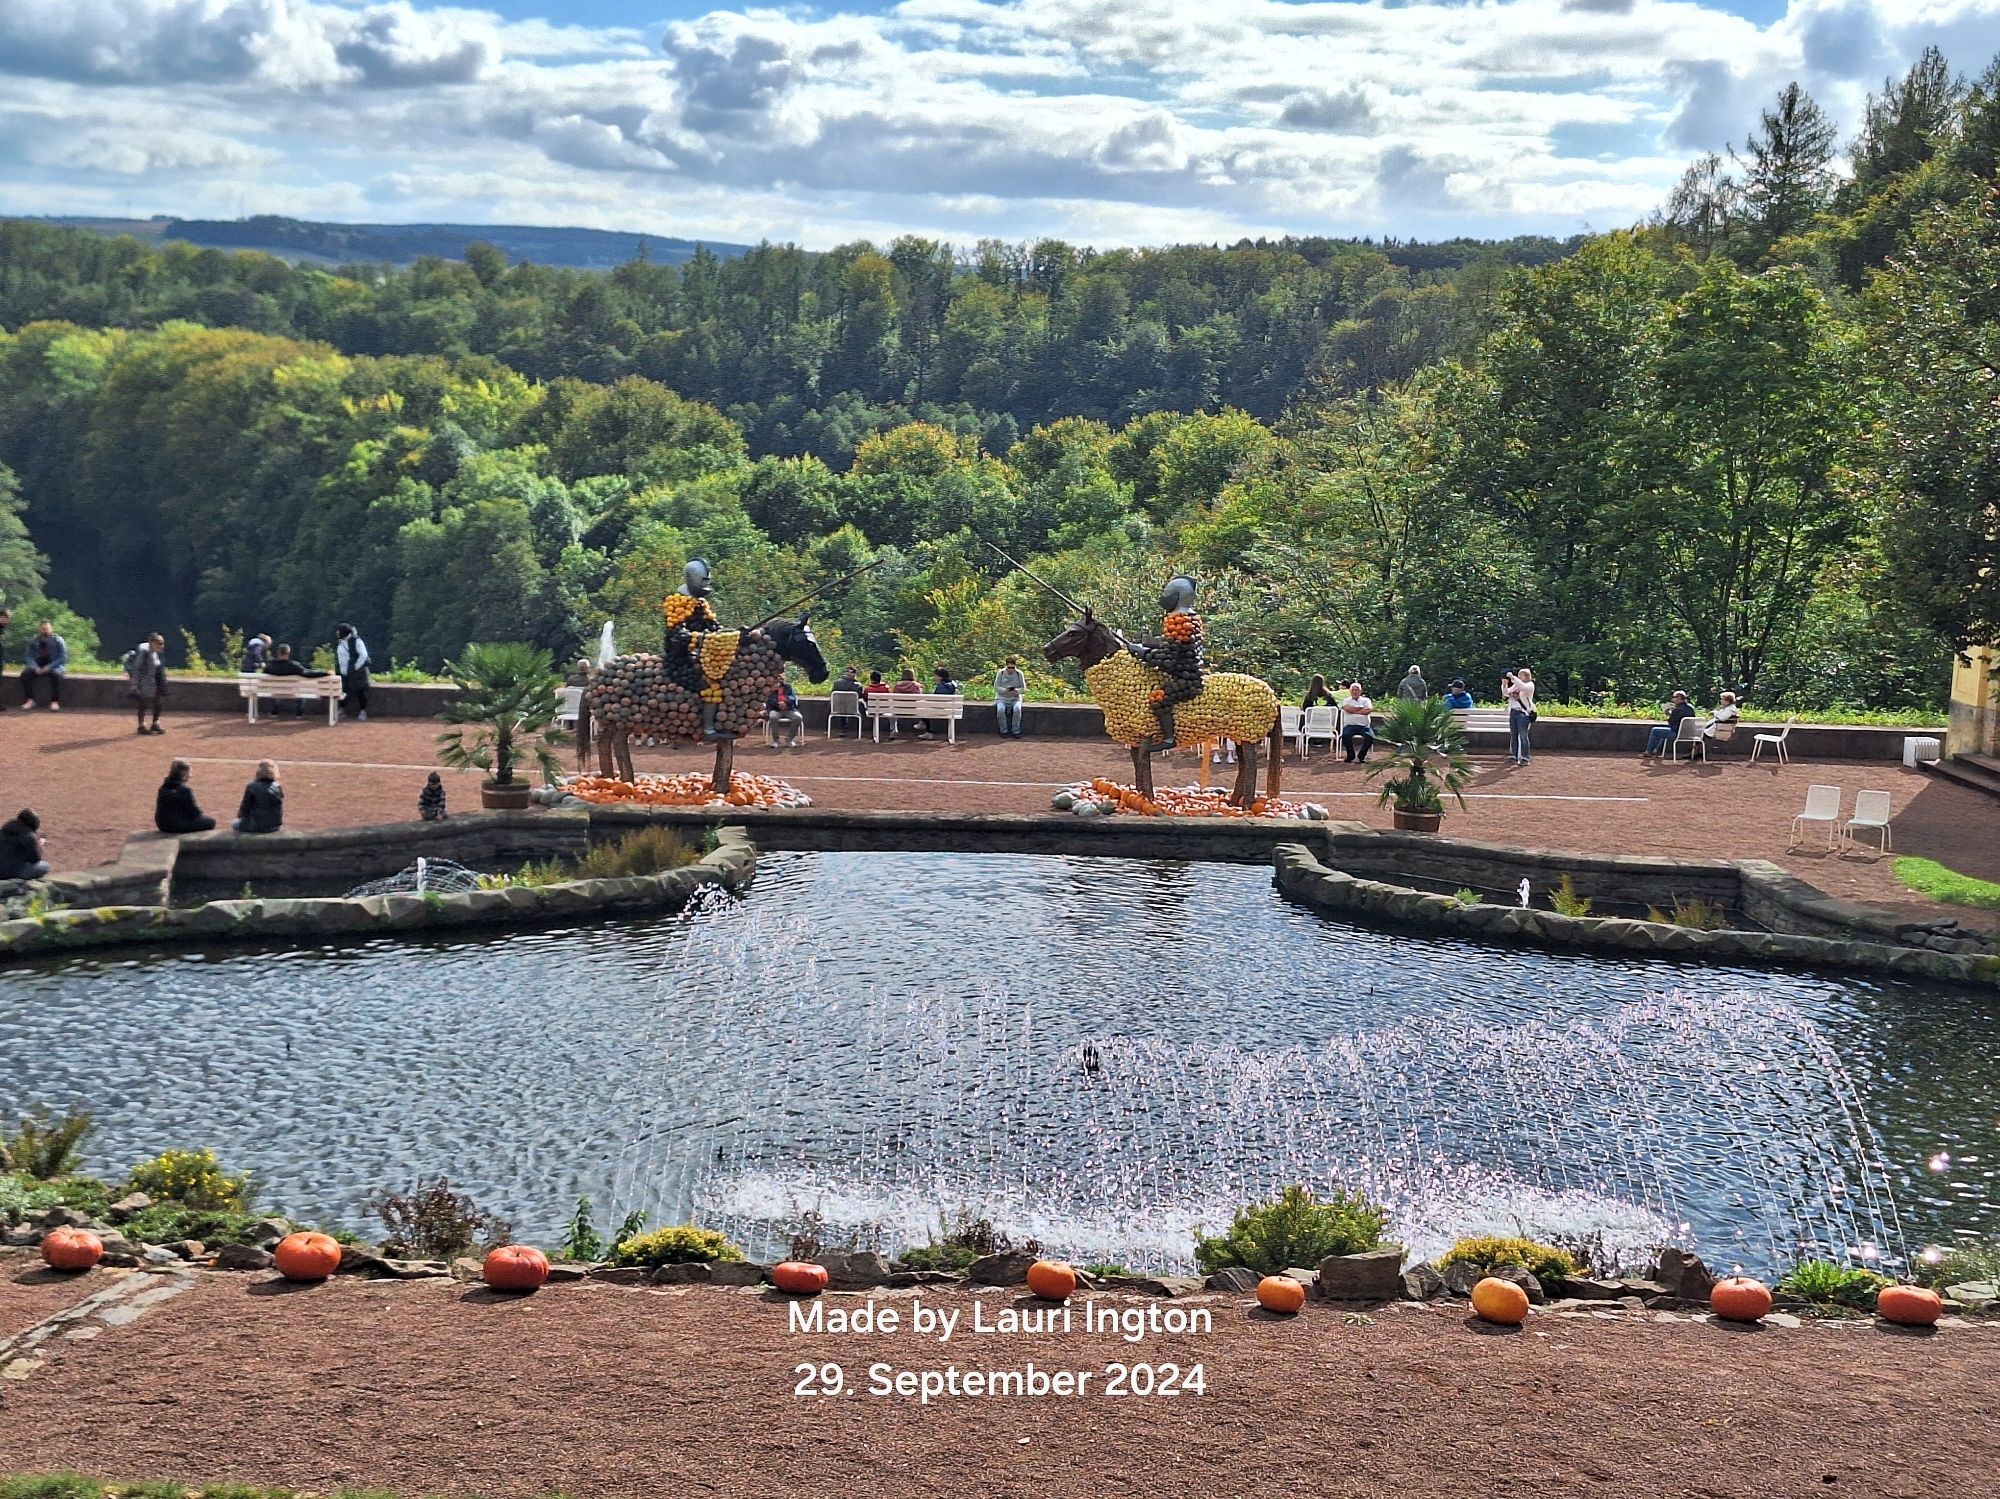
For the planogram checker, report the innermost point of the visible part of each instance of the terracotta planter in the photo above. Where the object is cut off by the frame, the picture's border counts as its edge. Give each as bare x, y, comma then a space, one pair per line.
513, 797
1417, 822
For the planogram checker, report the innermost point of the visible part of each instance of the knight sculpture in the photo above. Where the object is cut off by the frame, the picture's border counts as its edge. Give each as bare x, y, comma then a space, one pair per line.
696, 651
1177, 654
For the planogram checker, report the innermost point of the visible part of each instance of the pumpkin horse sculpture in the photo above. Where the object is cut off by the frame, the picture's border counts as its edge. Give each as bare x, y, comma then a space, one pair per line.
638, 694
1230, 705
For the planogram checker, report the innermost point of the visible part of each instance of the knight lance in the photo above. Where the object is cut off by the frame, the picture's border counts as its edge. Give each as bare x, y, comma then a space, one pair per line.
1176, 653
697, 651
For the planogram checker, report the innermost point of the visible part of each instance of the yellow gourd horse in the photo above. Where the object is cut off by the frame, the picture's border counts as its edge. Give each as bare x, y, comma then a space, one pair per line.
1231, 706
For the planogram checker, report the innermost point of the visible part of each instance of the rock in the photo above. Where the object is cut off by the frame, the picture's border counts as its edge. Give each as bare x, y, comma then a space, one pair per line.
1460, 1277
1585, 1288
1974, 1294
410, 1269
467, 1268
862, 1268
1376, 1275
901, 1278
1684, 1275
21, 1235
1299, 1273
127, 1207
244, 1257
62, 1216
127, 1258
1647, 1291
158, 1254
695, 1272
1522, 1278
187, 1249
1157, 1285
1009, 1269
736, 1273
359, 1259
1423, 1283
564, 1273
620, 1275
267, 1231
1233, 1278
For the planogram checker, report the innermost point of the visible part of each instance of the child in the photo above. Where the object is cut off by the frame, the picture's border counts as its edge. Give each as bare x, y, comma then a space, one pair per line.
430, 801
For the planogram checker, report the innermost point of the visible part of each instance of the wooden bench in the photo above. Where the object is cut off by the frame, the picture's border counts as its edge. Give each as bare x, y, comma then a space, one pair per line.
948, 706
254, 685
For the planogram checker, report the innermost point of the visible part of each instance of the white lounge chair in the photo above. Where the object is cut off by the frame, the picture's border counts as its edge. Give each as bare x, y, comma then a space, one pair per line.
1775, 741
843, 705
1871, 811
1689, 736
1318, 724
1822, 806
569, 706
1291, 724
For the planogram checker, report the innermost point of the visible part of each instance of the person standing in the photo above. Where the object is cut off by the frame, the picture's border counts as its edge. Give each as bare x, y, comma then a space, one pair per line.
1413, 688
174, 808
1520, 693
350, 661
262, 809
48, 660
1009, 686
146, 666
21, 847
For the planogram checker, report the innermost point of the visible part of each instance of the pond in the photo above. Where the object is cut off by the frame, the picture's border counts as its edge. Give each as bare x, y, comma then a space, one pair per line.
1096, 1053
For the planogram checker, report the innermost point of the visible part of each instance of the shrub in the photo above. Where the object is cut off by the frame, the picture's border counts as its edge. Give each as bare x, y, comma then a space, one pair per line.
1948, 1267
1691, 911
166, 1222
651, 850
682, 1245
1467, 897
1101, 1268
1543, 1261
1824, 1283
432, 1222
959, 1241
45, 1148
1295, 1229
1930, 878
193, 1178
1564, 900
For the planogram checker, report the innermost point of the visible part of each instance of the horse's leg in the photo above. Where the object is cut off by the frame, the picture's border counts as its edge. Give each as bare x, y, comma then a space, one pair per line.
625, 771
1246, 774
582, 735
606, 765
1142, 771
1274, 782
725, 758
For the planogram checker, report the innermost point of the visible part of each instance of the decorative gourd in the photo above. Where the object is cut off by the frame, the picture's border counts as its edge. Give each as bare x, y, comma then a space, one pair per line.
1497, 1300
1052, 1280
1280, 1293
1740, 1299
799, 1277
515, 1267
307, 1256
71, 1249
1909, 1306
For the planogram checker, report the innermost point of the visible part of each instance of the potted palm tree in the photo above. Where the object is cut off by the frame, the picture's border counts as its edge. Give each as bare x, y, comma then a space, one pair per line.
505, 711
1426, 761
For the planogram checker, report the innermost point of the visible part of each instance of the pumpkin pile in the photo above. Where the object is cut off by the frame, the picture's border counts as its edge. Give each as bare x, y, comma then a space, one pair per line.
637, 693
1099, 797
689, 789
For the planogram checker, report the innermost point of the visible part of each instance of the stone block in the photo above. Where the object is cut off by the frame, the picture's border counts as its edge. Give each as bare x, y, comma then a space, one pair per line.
243, 1257
1233, 1278
1009, 1269
862, 1269
126, 1206
1376, 1275
1422, 1283
1684, 1275
903, 1278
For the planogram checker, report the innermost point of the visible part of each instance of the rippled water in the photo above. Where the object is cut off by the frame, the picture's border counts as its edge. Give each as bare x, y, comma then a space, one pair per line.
1100, 1053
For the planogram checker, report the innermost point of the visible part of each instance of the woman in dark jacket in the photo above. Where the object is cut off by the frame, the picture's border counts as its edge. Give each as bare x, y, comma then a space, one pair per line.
174, 808
21, 847
263, 808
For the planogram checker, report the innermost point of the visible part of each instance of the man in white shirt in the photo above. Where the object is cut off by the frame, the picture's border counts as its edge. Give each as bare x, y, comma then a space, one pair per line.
1357, 723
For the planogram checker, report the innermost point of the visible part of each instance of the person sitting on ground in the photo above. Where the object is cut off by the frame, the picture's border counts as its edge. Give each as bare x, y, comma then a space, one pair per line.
263, 806
1317, 693
1721, 725
1413, 688
1357, 723
1660, 736
48, 661
21, 847
256, 652
430, 801
1009, 686
1458, 697
146, 666
174, 807
946, 685
781, 710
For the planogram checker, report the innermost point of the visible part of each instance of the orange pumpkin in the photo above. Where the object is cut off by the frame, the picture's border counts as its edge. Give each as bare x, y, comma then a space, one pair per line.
1909, 1306
71, 1249
1740, 1299
1497, 1300
1052, 1280
799, 1277
307, 1256
1280, 1293
515, 1267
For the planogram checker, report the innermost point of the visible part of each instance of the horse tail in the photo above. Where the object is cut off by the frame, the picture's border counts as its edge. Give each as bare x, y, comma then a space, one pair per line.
1274, 773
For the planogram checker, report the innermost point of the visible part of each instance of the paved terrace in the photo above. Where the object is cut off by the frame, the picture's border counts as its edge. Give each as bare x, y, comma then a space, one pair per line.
92, 779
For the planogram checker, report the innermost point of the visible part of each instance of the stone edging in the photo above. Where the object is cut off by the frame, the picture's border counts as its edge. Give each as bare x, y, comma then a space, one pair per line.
731, 866
1301, 876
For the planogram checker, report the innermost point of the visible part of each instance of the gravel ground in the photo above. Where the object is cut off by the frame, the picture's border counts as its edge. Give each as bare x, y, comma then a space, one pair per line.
93, 780
605, 1391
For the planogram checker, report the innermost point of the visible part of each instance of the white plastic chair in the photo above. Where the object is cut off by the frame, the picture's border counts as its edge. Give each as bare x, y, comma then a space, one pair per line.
1318, 724
1822, 806
1291, 724
570, 710
1871, 810
1688, 736
843, 705
1775, 741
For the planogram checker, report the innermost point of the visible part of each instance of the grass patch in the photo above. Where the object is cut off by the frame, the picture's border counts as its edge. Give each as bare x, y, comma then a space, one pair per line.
651, 850
1929, 878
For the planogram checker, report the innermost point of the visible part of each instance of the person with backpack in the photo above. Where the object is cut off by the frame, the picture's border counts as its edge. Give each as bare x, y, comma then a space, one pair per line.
146, 666
350, 660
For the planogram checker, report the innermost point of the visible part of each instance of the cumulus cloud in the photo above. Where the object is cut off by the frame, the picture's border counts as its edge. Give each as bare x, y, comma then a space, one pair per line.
1348, 111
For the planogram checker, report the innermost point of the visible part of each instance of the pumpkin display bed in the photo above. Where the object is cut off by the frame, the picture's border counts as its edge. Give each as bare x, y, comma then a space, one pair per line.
1909, 1306
1500, 1301
1052, 1280
307, 1256
1281, 1294
71, 1249
799, 1277
1739, 1298
515, 1267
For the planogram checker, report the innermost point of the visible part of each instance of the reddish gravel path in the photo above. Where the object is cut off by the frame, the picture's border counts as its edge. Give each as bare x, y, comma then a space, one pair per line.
93, 780
601, 1391
30, 1291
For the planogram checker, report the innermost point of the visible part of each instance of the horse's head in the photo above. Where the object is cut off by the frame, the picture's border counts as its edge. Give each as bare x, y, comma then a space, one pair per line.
1088, 641
795, 643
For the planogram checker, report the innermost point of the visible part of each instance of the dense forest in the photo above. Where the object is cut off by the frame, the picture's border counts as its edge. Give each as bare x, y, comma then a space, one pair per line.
1750, 443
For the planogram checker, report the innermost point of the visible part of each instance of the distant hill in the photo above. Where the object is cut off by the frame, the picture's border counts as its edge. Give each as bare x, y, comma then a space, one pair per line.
400, 244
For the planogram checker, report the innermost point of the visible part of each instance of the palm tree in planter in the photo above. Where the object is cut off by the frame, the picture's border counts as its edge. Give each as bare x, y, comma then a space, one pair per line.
1426, 760
506, 710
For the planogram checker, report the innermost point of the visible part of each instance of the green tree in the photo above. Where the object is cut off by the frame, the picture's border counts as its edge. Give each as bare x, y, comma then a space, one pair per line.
1787, 167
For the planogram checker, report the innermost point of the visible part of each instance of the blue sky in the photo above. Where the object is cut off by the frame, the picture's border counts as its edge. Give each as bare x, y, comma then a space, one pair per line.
1104, 121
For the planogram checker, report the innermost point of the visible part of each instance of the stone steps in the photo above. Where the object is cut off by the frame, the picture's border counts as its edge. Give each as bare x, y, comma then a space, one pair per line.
1979, 772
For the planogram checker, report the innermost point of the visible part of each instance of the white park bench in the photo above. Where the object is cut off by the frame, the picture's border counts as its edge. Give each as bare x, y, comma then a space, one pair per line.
948, 706
1481, 720
254, 685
